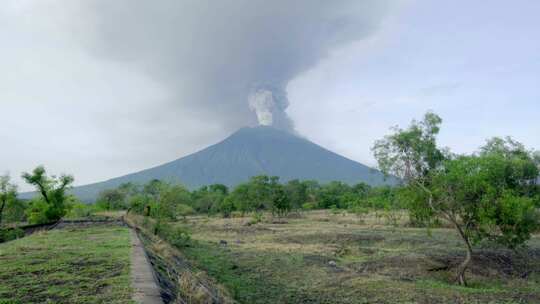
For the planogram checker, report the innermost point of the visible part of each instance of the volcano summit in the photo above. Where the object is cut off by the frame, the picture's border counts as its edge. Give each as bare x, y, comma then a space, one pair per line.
249, 152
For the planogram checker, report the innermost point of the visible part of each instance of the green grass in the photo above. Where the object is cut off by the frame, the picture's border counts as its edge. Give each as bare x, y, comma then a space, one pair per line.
89, 265
375, 263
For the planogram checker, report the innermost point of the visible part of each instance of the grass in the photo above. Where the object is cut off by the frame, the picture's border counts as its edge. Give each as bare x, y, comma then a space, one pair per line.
323, 257
89, 265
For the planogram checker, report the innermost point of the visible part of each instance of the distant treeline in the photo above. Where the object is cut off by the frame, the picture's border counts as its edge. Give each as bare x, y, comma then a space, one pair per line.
261, 193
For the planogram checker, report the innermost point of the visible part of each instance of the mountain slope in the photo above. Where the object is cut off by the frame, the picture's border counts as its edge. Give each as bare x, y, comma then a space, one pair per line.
246, 153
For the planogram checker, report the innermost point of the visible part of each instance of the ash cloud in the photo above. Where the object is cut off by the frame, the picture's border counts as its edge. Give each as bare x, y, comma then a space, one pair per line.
229, 61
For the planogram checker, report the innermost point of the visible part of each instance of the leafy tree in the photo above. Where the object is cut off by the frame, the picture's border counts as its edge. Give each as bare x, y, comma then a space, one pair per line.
281, 204
218, 188
261, 190
37, 211
170, 197
153, 189
129, 189
240, 198
226, 207
139, 204
334, 194
112, 199
207, 199
8, 195
15, 211
483, 196
297, 193
184, 210
52, 190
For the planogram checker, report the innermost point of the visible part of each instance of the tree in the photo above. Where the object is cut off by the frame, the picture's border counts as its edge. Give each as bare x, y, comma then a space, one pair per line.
52, 190
154, 189
112, 199
207, 199
281, 204
170, 198
129, 189
483, 196
412, 154
239, 199
297, 193
8, 194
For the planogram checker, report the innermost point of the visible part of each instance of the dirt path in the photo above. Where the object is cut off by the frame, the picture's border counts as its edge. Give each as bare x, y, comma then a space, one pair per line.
144, 284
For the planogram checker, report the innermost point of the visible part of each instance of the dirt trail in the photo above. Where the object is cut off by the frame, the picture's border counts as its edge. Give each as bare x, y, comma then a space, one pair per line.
145, 288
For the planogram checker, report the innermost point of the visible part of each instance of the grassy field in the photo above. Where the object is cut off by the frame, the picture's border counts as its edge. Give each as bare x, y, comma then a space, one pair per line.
322, 257
89, 265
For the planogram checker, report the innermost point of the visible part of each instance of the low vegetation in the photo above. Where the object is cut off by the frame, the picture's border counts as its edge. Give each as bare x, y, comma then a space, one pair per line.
327, 257
89, 265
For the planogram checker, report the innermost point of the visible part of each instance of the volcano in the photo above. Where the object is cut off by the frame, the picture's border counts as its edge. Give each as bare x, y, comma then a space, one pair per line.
246, 153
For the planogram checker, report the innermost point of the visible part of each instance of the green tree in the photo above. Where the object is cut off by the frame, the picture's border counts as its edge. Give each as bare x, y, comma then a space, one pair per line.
112, 199
207, 199
170, 198
281, 204
52, 190
240, 198
297, 193
153, 189
8, 195
483, 196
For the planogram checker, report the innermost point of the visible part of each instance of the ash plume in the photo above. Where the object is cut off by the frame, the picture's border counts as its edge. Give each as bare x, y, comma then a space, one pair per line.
210, 54
269, 105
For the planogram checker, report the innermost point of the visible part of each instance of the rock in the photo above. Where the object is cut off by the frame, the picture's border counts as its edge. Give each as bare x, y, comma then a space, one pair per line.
332, 264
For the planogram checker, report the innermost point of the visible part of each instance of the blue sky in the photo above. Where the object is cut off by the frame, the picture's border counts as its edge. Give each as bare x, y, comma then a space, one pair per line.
68, 106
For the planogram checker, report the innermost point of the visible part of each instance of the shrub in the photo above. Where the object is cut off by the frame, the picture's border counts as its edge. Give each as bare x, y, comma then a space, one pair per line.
36, 213
308, 206
8, 234
176, 236
256, 218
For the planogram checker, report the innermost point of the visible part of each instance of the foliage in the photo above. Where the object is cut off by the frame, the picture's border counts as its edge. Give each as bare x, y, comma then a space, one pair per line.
8, 195
485, 195
256, 218
36, 213
53, 192
184, 210
81, 210
111, 199
175, 235
208, 199
9, 234
297, 193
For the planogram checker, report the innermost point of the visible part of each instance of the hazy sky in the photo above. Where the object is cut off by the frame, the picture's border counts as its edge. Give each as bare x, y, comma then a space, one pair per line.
101, 88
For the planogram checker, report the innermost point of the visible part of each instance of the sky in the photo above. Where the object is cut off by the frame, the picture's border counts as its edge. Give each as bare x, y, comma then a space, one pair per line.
99, 89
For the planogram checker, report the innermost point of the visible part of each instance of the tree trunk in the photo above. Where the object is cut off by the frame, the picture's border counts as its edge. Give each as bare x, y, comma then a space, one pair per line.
463, 266
2, 211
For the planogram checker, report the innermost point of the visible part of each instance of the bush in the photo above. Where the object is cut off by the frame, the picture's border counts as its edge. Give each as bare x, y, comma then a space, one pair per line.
80, 210
36, 213
8, 234
176, 236
184, 210
309, 206
256, 218
226, 207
